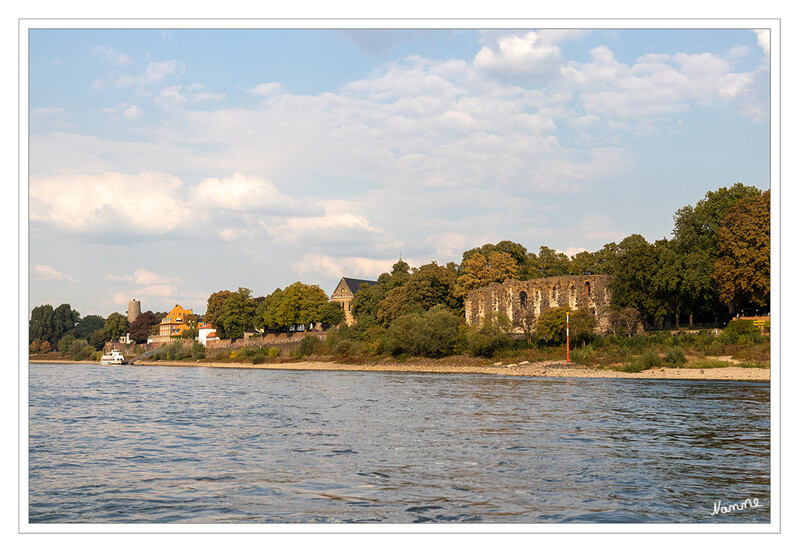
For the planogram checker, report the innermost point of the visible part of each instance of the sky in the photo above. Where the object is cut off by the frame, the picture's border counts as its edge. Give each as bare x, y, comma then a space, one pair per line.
167, 164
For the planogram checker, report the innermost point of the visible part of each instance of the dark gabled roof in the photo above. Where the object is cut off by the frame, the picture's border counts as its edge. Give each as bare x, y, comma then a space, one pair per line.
355, 284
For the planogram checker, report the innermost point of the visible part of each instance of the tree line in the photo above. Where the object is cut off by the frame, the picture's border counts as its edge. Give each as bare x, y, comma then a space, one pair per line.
716, 262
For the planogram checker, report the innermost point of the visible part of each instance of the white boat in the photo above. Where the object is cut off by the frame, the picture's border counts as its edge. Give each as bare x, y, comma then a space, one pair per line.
112, 357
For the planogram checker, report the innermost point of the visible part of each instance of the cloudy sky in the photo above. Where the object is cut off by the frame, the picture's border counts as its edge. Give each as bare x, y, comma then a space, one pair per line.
169, 164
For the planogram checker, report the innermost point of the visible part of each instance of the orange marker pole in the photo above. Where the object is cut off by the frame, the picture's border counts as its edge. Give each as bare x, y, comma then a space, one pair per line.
567, 337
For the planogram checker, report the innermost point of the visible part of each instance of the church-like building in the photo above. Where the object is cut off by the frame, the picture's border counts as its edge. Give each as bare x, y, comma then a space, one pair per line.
345, 292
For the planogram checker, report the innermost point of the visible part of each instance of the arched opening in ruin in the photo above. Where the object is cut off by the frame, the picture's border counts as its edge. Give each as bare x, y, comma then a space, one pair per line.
554, 294
587, 289
523, 299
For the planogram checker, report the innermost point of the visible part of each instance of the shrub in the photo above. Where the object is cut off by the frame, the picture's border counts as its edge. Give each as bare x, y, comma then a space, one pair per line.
258, 358
650, 359
65, 343
173, 351
273, 352
550, 327
344, 347
674, 357
309, 345
197, 350
80, 350
432, 334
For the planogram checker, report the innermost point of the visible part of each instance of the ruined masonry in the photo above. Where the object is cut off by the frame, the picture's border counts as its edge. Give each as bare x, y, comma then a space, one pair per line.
516, 298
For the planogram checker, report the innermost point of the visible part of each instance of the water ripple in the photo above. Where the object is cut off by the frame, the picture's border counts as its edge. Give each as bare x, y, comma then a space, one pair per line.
203, 445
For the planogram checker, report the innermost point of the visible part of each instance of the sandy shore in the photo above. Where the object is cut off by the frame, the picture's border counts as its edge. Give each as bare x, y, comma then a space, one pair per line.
556, 369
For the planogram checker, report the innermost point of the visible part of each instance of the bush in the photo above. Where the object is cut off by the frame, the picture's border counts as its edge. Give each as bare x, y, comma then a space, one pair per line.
431, 334
65, 343
649, 359
273, 352
344, 347
550, 328
80, 349
309, 345
674, 357
492, 336
197, 350
173, 351
259, 358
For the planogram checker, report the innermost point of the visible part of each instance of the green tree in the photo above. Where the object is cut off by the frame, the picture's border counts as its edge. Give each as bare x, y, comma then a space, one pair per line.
97, 339
366, 304
743, 269
190, 333
41, 324
634, 268
88, 325
237, 314
64, 320
214, 306
696, 239
300, 304
267, 311
478, 271
427, 286
432, 334
552, 263
79, 349
331, 314
550, 328
492, 335
116, 325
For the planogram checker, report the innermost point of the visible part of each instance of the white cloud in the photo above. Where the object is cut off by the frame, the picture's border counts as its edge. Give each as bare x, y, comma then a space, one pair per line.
764, 40
319, 264
148, 202
521, 56
133, 112
266, 89
243, 193
112, 55
44, 273
448, 245
145, 277
154, 74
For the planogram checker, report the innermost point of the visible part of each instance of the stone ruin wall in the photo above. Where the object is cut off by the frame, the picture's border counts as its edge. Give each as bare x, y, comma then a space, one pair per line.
514, 298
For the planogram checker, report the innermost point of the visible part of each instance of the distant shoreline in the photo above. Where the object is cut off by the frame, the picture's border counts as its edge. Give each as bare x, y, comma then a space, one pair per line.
549, 369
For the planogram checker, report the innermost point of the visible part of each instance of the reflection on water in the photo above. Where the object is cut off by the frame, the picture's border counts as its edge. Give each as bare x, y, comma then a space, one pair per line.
203, 445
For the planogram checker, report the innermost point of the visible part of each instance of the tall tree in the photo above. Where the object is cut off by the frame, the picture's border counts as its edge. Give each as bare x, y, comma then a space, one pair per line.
478, 271
237, 314
696, 239
634, 269
742, 271
65, 318
88, 325
116, 325
214, 306
41, 325
552, 263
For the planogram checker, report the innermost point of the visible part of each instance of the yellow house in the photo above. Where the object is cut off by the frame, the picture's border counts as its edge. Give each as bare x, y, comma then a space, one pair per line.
175, 322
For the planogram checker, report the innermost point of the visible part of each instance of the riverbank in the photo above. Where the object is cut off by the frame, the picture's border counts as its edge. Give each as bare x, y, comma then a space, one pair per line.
550, 369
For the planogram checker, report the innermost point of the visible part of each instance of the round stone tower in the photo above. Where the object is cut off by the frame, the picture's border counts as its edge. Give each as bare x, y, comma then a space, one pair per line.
134, 310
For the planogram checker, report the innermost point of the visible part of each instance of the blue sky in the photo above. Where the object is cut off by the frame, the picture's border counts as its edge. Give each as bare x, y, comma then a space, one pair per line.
169, 164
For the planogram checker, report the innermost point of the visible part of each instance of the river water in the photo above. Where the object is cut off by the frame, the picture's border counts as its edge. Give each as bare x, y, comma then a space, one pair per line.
160, 444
